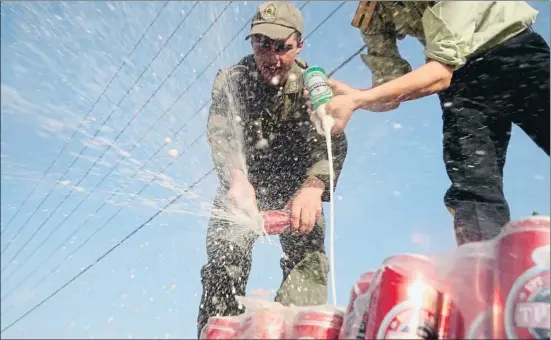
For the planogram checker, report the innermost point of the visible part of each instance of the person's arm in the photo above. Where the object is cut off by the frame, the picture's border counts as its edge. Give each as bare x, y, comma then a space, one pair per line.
223, 132
449, 28
430, 78
318, 174
382, 58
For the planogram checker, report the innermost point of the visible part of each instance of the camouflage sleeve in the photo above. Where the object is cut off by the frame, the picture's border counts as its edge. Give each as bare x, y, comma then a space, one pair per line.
320, 160
224, 129
383, 58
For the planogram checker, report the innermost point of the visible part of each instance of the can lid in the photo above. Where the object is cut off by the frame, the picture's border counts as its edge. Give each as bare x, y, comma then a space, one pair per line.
532, 223
272, 316
314, 68
368, 276
307, 317
408, 262
405, 257
365, 279
207, 330
224, 321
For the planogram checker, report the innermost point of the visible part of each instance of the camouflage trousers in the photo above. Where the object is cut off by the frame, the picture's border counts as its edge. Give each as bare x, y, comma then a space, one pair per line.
229, 258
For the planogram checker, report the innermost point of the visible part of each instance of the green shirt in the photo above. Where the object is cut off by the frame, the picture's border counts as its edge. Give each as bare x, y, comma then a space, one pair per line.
268, 129
450, 31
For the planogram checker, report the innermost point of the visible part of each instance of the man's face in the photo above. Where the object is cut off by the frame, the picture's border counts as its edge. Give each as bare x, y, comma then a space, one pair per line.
274, 58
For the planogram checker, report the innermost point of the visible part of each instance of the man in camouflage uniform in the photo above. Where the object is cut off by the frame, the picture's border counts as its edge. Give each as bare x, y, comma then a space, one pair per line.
258, 117
500, 70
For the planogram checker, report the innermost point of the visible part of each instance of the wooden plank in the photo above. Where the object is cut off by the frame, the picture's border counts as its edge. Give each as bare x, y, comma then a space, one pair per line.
363, 14
362, 5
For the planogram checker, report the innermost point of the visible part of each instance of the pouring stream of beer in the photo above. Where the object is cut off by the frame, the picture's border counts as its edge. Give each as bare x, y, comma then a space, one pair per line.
327, 123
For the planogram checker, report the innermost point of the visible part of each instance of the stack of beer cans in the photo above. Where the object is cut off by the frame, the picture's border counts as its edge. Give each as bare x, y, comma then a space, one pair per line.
498, 289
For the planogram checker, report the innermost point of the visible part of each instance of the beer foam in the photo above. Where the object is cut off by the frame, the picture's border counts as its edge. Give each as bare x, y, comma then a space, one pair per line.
328, 122
275, 80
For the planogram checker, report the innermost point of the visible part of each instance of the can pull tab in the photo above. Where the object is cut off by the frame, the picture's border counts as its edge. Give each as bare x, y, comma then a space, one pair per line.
276, 221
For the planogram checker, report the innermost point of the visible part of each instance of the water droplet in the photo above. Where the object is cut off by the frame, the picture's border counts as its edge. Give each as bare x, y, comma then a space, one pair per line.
173, 153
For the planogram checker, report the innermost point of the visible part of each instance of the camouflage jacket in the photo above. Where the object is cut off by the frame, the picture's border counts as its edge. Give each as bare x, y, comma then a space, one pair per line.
267, 129
450, 31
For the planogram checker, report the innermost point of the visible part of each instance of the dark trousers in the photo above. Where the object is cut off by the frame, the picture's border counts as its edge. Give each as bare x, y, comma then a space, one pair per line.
229, 258
505, 85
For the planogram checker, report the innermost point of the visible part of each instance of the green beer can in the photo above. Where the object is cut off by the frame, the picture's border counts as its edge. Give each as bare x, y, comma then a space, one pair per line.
315, 81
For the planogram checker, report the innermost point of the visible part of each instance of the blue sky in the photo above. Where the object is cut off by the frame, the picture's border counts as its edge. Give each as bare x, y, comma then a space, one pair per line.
56, 60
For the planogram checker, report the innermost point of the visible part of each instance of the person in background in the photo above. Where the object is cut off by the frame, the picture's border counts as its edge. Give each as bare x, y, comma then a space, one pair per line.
489, 69
258, 107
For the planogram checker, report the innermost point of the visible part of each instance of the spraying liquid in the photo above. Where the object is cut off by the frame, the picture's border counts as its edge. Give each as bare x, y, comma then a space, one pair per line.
327, 126
315, 80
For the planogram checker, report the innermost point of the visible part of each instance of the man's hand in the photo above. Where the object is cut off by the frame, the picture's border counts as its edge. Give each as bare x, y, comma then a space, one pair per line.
306, 206
341, 106
241, 193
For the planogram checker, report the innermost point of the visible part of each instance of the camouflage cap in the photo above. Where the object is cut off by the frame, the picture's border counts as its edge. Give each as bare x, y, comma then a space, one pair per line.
277, 20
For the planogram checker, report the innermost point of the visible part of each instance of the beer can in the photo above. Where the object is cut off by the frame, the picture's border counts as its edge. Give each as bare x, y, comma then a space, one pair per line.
523, 251
276, 221
404, 303
315, 81
357, 306
470, 284
264, 324
317, 325
220, 327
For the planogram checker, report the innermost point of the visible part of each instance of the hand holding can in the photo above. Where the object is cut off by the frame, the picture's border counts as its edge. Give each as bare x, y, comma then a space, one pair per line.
276, 221
319, 94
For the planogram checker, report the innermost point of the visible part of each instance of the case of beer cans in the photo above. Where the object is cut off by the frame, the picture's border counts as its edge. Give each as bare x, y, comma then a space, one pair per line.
496, 289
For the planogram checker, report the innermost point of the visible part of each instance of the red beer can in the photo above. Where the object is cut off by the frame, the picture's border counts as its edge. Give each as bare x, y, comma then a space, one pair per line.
357, 306
264, 324
276, 221
311, 324
220, 327
404, 302
523, 250
470, 284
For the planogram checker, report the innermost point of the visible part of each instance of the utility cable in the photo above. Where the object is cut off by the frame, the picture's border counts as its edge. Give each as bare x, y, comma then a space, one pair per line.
131, 234
105, 254
100, 228
80, 124
135, 144
86, 147
120, 133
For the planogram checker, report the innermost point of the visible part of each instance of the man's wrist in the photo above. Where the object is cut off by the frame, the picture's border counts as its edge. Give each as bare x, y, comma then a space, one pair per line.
237, 174
360, 99
370, 99
314, 183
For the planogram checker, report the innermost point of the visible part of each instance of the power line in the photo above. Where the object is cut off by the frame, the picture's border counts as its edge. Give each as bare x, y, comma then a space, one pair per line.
346, 61
105, 203
95, 134
129, 235
106, 253
116, 138
143, 136
80, 124
326, 18
128, 124
162, 170
44, 277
